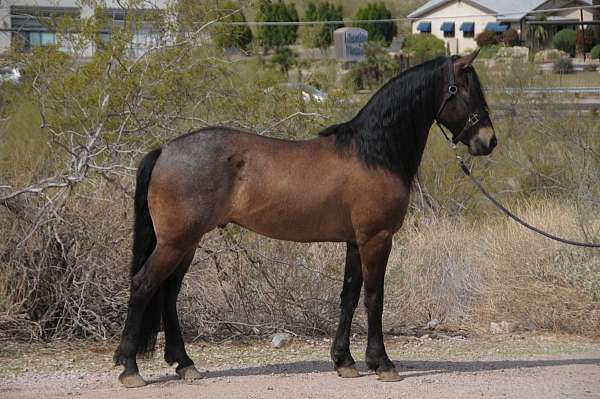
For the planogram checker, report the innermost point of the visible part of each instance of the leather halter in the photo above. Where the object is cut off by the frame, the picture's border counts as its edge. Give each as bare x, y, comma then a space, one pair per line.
473, 117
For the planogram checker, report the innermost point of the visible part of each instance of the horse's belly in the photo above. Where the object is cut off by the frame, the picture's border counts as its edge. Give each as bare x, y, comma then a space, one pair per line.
293, 220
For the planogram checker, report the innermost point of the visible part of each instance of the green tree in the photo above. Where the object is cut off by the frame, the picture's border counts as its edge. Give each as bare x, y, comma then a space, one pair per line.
424, 46
321, 36
226, 35
275, 36
381, 31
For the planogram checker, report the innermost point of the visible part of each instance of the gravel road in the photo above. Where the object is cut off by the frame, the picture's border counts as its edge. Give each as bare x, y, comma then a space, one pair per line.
511, 366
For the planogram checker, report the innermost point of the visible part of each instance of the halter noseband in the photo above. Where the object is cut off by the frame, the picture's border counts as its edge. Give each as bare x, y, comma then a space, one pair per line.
472, 119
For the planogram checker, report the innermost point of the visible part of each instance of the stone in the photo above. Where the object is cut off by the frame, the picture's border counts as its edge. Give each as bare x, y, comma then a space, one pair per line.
549, 55
432, 324
513, 53
503, 327
280, 340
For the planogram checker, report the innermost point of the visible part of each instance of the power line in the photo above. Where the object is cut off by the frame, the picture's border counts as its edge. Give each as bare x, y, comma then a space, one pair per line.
404, 19
375, 21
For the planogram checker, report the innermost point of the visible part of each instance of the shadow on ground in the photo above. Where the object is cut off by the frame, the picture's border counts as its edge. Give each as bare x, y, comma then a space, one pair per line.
419, 368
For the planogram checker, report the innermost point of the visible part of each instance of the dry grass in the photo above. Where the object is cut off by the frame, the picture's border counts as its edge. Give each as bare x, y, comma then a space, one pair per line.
472, 272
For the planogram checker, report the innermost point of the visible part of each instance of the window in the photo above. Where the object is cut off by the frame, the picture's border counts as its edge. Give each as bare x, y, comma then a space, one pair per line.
448, 29
468, 29
41, 38
424, 27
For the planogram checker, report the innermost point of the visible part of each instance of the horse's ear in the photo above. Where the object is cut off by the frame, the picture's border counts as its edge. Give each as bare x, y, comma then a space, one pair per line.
466, 61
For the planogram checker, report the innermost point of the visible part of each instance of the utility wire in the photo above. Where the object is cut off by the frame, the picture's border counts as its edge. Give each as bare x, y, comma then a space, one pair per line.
387, 20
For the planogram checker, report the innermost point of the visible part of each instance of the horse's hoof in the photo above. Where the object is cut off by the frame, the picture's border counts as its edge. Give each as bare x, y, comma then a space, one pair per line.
131, 380
388, 376
189, 373
348, 372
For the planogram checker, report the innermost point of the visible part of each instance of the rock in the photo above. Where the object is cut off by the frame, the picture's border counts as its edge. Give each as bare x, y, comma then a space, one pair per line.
432, 324
280, 340
503, 327
513, 53
549, 55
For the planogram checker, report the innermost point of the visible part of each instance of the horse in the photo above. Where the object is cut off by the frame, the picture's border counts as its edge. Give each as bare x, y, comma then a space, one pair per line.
349, 184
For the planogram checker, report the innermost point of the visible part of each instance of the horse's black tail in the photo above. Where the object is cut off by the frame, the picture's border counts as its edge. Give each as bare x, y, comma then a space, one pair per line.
144, 241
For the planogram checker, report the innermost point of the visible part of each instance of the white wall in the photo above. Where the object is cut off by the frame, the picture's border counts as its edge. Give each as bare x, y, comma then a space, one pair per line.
452, 12
4, 24
574, 14
85, 12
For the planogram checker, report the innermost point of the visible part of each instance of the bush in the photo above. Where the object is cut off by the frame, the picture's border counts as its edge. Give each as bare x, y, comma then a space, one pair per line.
489, 51
487, 38
585, 40
321, 36
286, 58
380, 32
563, 65
510, 38
565, 40
424, 46
376, 68
596, 52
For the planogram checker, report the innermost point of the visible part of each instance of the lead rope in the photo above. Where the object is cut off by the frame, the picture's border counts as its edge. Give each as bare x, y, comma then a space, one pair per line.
508, 213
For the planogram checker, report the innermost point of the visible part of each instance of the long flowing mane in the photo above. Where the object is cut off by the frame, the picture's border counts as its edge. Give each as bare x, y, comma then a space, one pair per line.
391, 129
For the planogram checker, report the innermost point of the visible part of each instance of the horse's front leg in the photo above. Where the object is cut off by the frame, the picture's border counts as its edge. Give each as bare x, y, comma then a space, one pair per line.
374, 253
340, 349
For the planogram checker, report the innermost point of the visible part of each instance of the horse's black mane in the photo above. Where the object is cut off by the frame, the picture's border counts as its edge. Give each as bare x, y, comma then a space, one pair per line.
391, 129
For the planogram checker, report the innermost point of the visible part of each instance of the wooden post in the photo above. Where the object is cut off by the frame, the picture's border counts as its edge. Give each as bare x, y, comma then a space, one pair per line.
582, 33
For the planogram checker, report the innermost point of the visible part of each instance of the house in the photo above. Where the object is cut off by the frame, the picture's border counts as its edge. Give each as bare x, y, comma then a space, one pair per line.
28, 23
458, 22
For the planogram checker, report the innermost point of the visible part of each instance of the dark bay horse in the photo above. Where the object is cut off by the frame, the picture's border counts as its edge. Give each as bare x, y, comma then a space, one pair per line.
350, 184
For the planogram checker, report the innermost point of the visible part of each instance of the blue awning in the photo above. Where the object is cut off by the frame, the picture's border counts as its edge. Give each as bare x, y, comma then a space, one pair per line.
447, 27
467, 27
496, 27
424, 27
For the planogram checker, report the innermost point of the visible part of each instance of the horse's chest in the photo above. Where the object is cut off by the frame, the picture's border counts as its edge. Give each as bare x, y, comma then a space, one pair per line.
381, 206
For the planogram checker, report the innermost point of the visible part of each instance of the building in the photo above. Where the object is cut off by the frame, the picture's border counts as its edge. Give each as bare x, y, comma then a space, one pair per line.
458, 22
25, 24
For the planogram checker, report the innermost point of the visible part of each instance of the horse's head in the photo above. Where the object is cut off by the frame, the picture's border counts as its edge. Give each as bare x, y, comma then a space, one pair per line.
464, 110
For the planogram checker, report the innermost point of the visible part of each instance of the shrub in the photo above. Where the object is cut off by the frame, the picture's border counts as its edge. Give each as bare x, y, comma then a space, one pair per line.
286, 58
585, 40
424, 46
489, 51
596, 52
510, 38
563, 65
380, 32
321, 36
487, 38
565, 40
377, 67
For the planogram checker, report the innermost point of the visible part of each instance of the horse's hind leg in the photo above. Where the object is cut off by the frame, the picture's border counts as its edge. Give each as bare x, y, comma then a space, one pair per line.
145, 285
174, 345
340, 349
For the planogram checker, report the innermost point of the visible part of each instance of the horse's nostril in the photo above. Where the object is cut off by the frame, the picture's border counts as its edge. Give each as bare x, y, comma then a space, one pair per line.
493, 142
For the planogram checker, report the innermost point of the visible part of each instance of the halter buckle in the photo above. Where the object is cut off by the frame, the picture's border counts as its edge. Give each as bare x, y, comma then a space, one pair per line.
473, 119
452, 89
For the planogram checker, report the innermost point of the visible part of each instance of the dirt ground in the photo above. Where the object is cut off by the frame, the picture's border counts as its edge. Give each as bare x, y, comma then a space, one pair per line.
507, 366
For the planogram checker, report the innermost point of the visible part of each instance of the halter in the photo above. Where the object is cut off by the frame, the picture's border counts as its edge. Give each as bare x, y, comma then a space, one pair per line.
472, 119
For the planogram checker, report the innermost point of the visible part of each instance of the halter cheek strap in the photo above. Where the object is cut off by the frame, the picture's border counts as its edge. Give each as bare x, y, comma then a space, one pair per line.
472, 118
